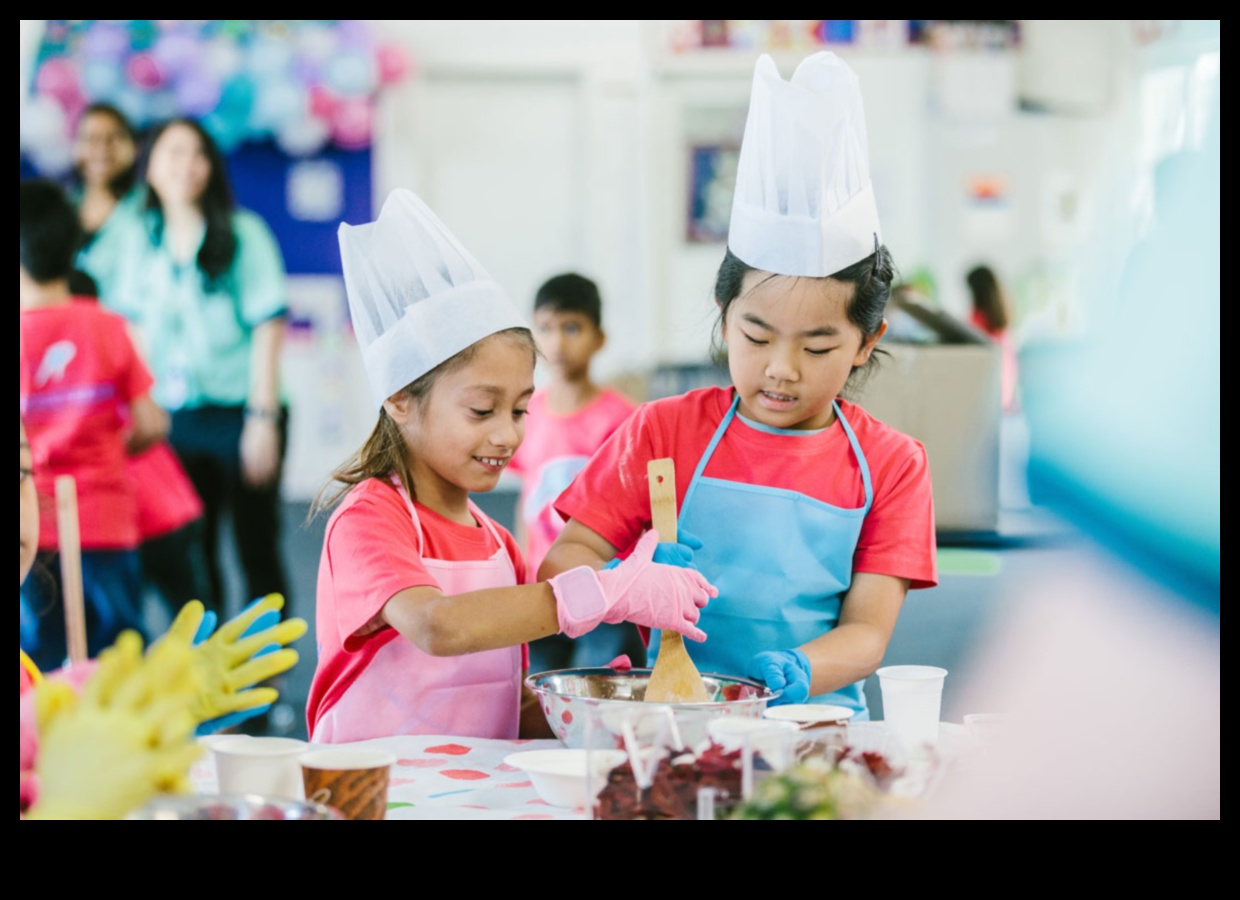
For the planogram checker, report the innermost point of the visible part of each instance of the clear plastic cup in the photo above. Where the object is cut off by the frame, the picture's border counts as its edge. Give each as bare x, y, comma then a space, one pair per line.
912, 700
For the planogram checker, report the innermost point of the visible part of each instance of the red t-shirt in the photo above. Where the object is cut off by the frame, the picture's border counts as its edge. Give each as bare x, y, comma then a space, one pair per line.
165, 496
79, 374
370, 554
555, 449
612, 498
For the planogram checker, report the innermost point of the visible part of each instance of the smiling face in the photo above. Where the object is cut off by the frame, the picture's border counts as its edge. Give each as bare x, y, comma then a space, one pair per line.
102, 148
179, 167
464, 432
791, 348
29, 534
568, 340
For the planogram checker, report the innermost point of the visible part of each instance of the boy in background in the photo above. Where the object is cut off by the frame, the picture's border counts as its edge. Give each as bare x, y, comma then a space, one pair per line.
85, 397
569, 419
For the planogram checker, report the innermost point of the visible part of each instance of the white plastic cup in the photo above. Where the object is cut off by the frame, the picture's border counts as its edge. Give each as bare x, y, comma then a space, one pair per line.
267, 766
912, 700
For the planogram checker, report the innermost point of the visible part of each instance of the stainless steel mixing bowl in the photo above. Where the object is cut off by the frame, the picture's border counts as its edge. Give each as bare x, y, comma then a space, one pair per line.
232, 806
570, 696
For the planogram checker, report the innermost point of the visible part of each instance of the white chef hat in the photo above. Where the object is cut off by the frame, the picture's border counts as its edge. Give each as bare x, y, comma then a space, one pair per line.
416, 295
803, 203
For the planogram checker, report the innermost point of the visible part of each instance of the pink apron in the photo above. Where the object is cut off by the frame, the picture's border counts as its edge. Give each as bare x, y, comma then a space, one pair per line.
405, 690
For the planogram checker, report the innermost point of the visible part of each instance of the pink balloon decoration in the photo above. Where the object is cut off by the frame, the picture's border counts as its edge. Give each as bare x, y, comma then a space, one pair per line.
58, 78
394, 63
323, 103
143, 71
353, 123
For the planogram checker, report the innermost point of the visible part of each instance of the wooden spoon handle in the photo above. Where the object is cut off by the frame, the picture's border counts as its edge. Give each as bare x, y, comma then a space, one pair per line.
675, 678
69, 539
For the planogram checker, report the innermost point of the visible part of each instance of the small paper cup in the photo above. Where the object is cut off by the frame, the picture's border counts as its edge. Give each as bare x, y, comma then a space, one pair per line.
912, 699
352, 780
266, 766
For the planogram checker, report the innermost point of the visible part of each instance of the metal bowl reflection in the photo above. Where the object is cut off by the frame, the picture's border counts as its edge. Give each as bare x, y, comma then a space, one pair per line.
232, 806
568, 696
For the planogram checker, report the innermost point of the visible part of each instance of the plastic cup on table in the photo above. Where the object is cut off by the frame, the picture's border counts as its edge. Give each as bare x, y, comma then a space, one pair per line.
912, 700
266, 766
352, 780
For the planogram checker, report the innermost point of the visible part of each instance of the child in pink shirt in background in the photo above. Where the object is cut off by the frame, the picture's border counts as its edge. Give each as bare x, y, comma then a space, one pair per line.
567, 421
85, 395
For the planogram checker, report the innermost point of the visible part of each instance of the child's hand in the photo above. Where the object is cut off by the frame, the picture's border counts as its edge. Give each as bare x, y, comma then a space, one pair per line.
679, 554
638, 590
782, 670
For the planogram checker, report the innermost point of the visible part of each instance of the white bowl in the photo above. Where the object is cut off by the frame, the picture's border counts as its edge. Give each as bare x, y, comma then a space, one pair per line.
559, 774
811, 714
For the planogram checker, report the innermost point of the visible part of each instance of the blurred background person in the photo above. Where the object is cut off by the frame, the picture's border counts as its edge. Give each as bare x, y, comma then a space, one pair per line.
991, 313
568, 419
204, 283
85, 394
170, 513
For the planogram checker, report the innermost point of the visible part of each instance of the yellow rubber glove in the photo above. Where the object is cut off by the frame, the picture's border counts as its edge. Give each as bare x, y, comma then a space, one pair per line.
126, 737
230, 662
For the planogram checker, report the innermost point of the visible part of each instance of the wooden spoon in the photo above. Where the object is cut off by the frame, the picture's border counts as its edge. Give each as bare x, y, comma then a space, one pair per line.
675, 678
68, 537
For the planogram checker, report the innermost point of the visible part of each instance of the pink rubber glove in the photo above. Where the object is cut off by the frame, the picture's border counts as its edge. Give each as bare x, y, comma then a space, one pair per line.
638, 590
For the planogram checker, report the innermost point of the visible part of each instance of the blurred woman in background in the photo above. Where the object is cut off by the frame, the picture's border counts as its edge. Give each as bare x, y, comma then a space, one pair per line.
992, 315
204, 283
109, 204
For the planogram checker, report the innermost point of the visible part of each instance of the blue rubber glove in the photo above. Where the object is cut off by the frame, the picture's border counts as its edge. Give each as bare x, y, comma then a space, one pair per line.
782, 670
269, 619
678, 554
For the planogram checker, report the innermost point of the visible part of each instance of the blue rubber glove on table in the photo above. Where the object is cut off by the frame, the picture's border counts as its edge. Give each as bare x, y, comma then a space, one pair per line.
782, 670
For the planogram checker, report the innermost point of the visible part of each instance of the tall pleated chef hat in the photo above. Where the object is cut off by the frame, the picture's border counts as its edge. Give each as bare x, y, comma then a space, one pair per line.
416, 295
803, 203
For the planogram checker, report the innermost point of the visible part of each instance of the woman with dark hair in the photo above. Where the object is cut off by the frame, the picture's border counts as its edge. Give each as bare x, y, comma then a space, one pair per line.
103, 186
990, 313
204, 283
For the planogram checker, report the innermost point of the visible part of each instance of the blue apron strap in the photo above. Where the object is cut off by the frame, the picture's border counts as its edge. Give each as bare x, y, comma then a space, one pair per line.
861, 460
710, 450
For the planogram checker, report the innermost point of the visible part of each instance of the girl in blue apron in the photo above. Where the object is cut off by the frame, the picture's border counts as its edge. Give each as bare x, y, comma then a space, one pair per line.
814, 518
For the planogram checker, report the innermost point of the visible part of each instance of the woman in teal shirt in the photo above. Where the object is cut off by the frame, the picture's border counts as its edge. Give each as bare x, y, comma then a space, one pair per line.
204, 283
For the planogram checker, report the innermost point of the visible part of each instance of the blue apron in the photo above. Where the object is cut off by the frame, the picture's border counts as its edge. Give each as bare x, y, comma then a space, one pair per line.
782, 562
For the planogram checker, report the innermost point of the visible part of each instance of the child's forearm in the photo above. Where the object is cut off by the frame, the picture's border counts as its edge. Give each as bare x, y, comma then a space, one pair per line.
855, 647
443, 625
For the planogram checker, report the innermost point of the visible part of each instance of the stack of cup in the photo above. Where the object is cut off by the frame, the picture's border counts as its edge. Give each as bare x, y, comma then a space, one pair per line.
912, 699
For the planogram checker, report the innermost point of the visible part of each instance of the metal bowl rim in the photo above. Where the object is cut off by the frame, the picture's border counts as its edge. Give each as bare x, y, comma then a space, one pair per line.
532, 682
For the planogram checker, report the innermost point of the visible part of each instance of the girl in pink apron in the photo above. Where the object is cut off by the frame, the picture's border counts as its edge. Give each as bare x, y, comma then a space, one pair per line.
423, 609
814, 517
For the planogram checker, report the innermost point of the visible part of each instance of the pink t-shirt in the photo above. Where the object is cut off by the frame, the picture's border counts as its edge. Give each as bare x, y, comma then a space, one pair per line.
79, 374
555, 449
370, 554
611, 495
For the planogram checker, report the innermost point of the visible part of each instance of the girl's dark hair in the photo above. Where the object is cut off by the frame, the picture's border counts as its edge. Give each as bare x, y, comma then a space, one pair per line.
871, 279
219, 244
48, 230
988, 299
122, 182
384, 451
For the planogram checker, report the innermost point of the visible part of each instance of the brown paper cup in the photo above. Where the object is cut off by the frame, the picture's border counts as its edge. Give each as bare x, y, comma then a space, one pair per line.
354, 781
